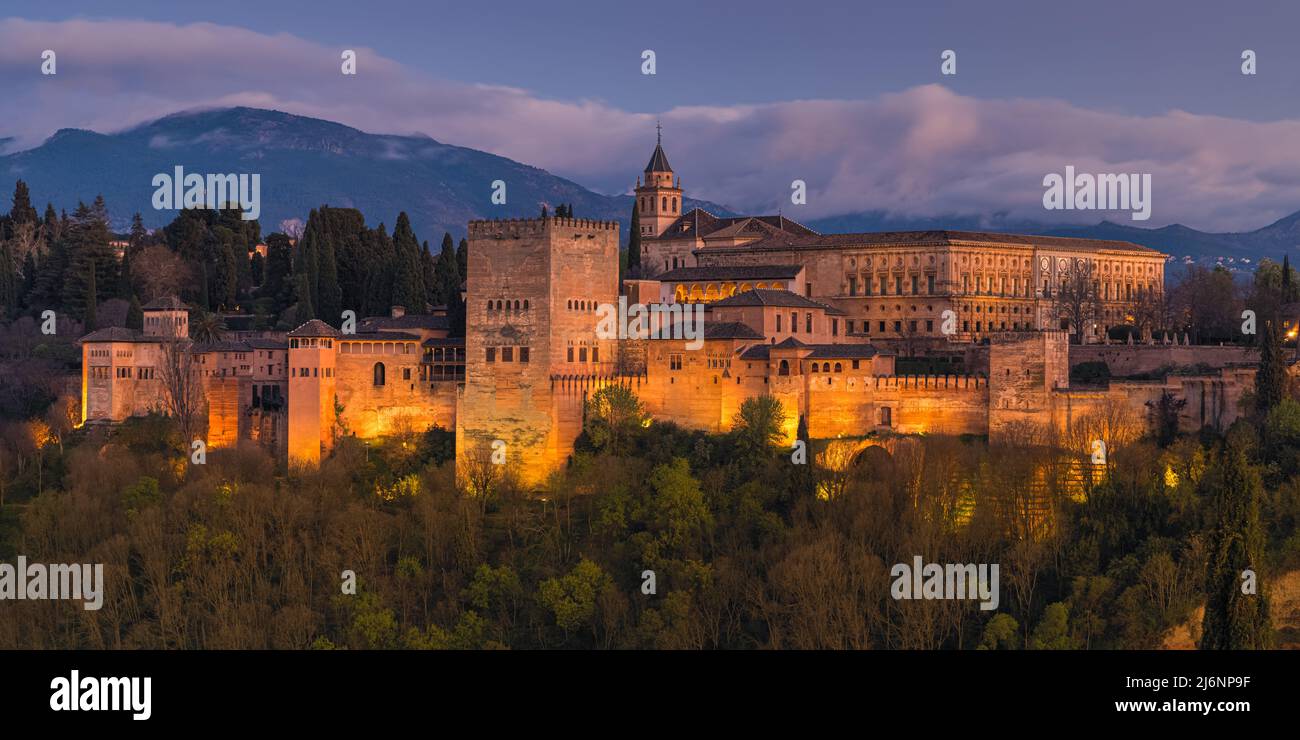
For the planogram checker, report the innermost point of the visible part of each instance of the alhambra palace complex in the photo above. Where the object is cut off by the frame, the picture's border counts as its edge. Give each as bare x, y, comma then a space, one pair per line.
815, 320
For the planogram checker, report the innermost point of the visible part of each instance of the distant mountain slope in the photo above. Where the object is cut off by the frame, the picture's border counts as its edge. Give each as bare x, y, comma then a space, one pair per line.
303, 163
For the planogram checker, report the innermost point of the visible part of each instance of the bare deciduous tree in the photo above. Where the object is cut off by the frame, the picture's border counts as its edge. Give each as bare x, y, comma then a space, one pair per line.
182, 385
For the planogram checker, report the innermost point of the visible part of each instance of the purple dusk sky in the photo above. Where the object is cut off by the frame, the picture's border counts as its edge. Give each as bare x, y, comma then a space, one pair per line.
845, 96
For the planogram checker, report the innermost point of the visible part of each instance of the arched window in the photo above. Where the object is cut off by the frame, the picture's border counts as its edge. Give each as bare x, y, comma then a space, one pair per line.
814, 367
784, 369
839, 368
489, 305
674, 205
525, 304
379, 373
516, 305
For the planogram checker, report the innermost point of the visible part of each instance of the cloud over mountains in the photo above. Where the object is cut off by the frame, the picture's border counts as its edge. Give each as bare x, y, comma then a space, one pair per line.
923, 151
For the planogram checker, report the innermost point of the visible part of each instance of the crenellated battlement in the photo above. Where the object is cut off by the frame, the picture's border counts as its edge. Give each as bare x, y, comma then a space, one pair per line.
932, 382
516, 228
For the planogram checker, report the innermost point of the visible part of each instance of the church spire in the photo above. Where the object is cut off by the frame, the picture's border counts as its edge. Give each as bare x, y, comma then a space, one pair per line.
658, 160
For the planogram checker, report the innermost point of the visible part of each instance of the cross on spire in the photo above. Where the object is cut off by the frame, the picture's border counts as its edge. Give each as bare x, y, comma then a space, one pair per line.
659, 133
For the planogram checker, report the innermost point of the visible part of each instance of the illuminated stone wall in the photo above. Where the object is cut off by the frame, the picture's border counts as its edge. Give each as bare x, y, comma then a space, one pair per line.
534, 285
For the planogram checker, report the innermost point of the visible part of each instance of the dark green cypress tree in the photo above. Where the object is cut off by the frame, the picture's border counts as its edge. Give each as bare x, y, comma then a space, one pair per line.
462, 259
408, 278
204, 303
9, 286
134, 316
30, 271
1288, 290
124, 287
278, 284
1270, 377
92, 300
448, 278
428, 270
634, 243
330, 308
1235, 620
303, 312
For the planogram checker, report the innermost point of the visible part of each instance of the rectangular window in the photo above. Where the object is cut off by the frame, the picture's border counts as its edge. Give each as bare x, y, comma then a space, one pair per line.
523, 354
929, 284
570, 354
794, 322
808, 323
853, 285
855, 364
884, 285
898, 327
929, 326
406, 373
492, 354
778, 323
882, 326
595, 354
507, 354
898, 285
848, 326
582, 354
914, 284
835, 327
674, 362
886, 416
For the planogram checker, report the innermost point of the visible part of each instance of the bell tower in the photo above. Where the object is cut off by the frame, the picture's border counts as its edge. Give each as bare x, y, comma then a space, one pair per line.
659, 198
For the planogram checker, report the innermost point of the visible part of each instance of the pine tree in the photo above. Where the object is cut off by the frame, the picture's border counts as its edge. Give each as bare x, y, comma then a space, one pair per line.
1270, 377
634, 244
50, 224
1235, 620
22, 211
138, 232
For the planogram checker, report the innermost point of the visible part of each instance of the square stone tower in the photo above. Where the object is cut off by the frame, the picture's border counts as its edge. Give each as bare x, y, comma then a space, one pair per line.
312, 385
533, 290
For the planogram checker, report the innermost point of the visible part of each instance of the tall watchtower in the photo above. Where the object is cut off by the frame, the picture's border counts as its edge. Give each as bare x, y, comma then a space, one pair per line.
312, 383
166, 317
533, 292
659, 199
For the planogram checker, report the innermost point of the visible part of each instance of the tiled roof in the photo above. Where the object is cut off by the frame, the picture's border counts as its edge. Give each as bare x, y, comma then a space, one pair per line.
444, 342
267, 343
315, 328
166, 303
940, 238
202, 348
699, 222
819, 351
769, 297
844, 351
409, 321
731, 272
379, 336
658, 161
117, 334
